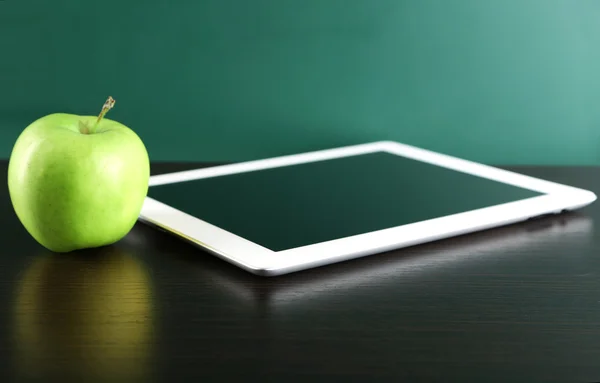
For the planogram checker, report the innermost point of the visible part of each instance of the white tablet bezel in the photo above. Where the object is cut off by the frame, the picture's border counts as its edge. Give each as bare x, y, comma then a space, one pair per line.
262, 261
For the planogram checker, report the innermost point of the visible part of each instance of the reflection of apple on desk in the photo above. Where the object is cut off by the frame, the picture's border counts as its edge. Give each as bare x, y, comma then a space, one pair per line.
85, 314
78, 182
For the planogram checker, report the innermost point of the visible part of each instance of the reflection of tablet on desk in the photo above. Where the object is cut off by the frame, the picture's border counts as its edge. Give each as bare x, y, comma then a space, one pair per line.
499, 250
290, 213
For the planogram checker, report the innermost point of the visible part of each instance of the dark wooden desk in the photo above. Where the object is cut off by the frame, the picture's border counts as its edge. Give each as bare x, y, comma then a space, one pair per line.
517, 304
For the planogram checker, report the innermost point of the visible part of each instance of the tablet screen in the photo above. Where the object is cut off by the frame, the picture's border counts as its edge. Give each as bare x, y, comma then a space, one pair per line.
297, 205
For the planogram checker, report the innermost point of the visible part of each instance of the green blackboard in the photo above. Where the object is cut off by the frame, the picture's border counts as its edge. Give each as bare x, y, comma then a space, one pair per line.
511, 81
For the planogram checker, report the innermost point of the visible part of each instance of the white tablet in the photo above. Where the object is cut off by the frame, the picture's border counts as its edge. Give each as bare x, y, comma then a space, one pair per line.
285, 214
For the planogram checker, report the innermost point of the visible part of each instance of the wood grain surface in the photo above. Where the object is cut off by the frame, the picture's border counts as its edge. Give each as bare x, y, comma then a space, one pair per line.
516, 304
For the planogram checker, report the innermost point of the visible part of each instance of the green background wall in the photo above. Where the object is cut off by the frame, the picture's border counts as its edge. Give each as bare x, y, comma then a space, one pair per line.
510, 81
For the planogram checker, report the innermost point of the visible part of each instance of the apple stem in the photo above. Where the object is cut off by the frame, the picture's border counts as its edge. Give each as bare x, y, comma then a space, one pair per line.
108, 105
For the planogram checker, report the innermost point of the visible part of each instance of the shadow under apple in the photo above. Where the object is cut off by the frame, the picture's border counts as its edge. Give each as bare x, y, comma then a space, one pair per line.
88, 314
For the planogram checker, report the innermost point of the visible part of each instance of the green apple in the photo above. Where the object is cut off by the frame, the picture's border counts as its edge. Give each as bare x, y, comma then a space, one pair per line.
78, 182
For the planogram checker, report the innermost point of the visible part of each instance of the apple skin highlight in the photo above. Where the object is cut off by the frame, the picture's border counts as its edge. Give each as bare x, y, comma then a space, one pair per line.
74, 189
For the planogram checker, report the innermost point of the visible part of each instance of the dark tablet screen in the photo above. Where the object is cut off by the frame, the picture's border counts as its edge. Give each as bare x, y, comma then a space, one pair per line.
298, 205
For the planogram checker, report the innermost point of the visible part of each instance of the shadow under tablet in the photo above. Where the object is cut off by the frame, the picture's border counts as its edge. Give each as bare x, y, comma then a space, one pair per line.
510, 249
